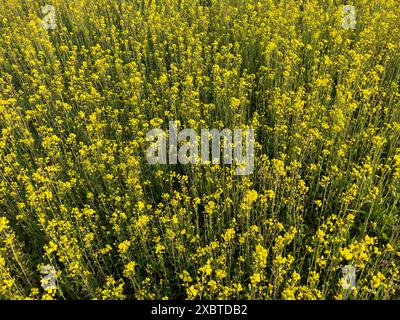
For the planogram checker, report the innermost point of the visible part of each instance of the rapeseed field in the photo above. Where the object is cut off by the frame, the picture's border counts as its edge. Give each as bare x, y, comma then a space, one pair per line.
84, 215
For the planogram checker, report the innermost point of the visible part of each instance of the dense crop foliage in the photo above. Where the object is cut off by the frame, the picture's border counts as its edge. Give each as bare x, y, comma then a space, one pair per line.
76, 191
